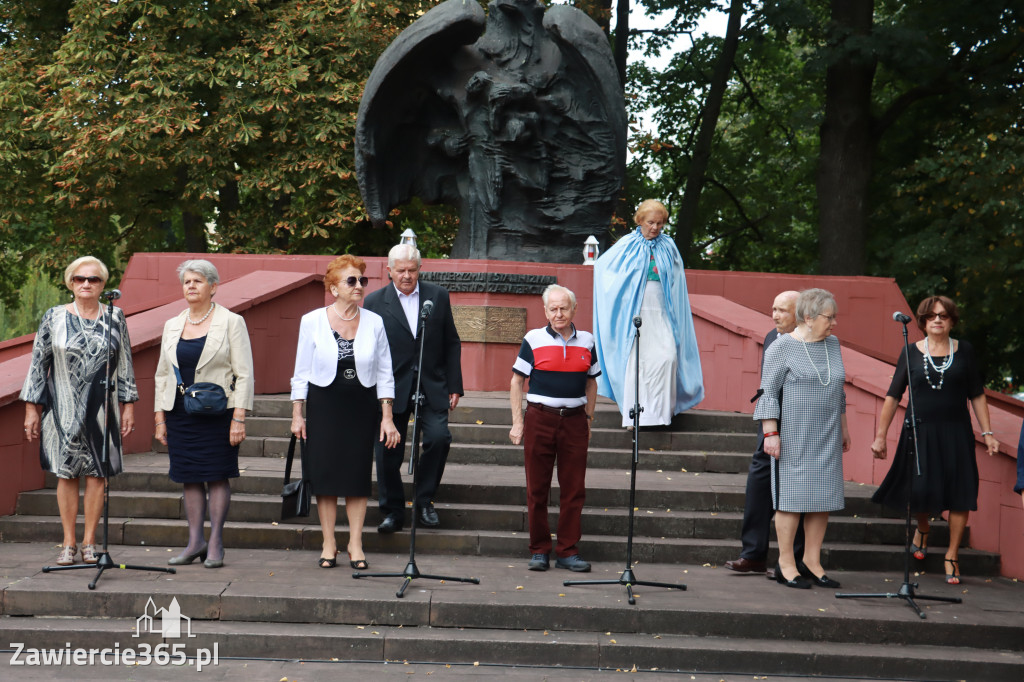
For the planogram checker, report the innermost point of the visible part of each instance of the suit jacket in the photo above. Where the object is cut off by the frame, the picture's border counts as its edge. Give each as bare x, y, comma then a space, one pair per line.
442, 351
226, 360
316, 355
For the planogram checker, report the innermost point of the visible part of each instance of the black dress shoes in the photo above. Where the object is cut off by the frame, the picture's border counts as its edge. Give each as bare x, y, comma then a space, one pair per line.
428, 517
745, 565
823, 581
390, 524
799, 582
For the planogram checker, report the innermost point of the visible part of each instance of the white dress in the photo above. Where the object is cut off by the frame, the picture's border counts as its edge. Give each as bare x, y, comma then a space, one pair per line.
658, 363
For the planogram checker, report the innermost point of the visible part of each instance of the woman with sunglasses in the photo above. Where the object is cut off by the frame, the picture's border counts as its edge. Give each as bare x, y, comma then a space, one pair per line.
64, 399
206, 342
342, 372
944, 378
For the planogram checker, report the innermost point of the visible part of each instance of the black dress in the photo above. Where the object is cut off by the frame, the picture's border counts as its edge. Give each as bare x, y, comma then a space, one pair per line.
949, 470
200, 448
341, 425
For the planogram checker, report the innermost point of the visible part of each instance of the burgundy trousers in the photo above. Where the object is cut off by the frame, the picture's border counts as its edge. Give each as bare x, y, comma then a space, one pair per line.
547, 439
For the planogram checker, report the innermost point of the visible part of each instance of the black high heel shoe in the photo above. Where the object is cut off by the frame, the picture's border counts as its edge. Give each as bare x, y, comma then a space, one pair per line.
184, 559
799, 582
823, 581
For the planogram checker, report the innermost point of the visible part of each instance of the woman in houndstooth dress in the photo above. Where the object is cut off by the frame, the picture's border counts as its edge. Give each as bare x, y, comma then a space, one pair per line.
806, 433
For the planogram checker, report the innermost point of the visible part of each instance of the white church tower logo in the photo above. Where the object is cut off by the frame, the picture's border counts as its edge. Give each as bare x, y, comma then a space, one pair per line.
164, 622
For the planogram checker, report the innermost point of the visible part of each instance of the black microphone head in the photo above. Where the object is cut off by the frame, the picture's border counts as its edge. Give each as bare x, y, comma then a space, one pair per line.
901, 317
428, 307
112, 295
637, 321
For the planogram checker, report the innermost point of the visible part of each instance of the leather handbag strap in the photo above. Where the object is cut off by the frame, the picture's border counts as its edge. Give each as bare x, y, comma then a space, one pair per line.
291, 457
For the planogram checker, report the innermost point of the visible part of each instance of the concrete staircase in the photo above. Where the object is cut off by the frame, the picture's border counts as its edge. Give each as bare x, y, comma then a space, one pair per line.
271, 601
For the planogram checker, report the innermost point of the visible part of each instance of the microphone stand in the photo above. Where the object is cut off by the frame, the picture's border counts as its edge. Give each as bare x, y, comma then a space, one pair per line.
906, 591
627, 577
103, 556
411, 571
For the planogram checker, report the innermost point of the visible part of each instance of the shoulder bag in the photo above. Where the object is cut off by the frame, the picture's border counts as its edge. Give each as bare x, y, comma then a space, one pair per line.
295, 495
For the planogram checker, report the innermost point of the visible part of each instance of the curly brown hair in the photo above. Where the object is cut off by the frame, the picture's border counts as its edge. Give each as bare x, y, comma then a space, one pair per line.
927, 304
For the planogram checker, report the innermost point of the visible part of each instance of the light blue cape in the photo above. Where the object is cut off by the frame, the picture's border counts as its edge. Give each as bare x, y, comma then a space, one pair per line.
620, 276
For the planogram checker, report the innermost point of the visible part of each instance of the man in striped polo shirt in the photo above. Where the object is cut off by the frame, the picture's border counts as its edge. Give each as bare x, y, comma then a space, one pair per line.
561, 365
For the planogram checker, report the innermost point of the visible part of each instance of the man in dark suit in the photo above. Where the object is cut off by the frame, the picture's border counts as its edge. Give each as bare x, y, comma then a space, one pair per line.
401, 305
758, 508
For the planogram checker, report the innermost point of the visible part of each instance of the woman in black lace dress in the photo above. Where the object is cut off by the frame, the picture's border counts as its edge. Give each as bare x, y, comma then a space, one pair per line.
944, 378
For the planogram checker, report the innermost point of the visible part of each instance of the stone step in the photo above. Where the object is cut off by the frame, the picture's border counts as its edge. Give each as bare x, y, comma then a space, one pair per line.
573, 652
490, 484
469, 542
269, 604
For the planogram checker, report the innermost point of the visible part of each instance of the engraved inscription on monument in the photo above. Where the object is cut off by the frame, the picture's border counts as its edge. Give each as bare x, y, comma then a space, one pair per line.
489, 282
490, 324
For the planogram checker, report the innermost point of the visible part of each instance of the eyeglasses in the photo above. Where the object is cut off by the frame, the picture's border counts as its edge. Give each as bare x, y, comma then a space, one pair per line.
82, 279
928, 317
352, 281
830, 318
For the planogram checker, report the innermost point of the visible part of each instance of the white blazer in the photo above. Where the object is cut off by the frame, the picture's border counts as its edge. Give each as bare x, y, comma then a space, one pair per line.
316, 357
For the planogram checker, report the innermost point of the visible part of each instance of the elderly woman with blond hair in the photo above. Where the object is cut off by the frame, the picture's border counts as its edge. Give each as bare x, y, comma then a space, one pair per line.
206, 342
343, 377
65, 405
641, 278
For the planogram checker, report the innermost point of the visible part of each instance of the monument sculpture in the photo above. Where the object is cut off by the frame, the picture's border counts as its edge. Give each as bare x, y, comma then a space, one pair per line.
515, 116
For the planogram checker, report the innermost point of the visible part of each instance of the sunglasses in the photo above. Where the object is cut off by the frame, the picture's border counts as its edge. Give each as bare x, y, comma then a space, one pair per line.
928, 317
361, 281
82, 279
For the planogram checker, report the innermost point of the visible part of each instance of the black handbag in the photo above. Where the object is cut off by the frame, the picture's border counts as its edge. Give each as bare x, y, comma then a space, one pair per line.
203, 397
295, 495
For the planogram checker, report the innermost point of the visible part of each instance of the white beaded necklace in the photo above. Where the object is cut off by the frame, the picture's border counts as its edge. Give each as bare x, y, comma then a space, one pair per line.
202, 319
86, 323
941, 369
828, 362
340, 317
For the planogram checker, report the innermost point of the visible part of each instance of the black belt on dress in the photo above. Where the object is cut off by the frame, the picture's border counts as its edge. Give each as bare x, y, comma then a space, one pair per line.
560, 411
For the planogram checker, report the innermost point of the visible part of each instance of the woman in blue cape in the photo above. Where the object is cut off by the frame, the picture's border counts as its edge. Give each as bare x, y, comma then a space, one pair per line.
642, 275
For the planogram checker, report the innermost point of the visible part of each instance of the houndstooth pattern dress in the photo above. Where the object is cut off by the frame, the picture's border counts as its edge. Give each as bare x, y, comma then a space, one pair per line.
809, 475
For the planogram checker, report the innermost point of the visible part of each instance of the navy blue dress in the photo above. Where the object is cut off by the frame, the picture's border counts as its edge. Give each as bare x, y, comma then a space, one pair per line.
199, 447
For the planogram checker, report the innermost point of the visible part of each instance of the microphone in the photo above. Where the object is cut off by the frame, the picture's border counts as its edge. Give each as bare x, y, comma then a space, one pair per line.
901, 318
111, 295
637, 321
426, 309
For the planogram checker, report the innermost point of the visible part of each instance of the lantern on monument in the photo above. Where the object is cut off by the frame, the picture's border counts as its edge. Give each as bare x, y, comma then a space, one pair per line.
409, 237
590, 250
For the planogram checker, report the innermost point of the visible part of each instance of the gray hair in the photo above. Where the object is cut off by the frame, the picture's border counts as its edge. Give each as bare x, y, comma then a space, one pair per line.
557, 287
403, 252
200, 267
70, 270
814, 302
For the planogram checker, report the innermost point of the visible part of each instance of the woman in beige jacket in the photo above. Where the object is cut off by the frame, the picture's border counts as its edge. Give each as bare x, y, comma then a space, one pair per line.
207, 343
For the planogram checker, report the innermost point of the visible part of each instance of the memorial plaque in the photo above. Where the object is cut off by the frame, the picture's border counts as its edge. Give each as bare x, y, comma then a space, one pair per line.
490, 324
489, 282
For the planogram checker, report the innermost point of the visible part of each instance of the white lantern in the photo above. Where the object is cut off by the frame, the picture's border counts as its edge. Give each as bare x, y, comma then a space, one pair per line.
409, 237
590, 250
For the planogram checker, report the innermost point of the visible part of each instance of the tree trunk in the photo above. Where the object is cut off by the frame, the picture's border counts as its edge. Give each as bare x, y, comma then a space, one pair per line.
621, 40
847, 143
686, 217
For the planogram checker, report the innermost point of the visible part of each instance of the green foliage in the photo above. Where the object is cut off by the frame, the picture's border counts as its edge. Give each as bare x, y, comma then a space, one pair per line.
37, 295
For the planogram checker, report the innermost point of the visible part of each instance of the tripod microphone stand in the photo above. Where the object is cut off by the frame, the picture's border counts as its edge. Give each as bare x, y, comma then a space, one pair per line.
627, 577
411, 571
103, 556
906, 591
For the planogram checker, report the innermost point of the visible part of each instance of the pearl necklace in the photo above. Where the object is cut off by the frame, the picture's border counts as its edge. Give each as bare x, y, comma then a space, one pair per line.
202, 319
828, 363
334, 306
941, 369
86, 323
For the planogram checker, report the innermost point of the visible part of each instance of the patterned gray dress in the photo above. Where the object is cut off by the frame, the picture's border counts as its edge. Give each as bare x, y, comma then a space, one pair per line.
809, 477
66, 377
